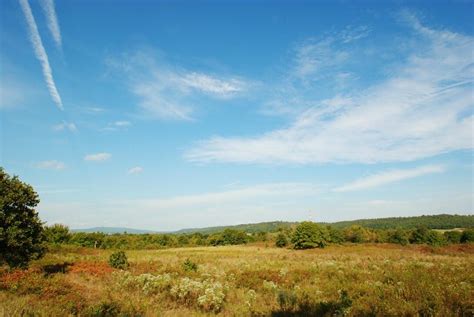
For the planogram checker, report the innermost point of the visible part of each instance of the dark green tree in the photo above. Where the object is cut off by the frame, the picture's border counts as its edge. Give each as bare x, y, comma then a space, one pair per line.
21, 231
467, 236
57, 234
281, 240
310, 235
453, 236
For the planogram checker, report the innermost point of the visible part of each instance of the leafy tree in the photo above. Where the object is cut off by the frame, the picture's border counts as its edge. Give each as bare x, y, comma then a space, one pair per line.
281, 240
453, 236
118, 260
335, 235
57, 234
467, 236
309, 235
21, 231
419, 235
357, 234
398, 236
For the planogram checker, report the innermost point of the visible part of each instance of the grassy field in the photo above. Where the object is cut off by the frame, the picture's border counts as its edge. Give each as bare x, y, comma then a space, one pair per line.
253, 280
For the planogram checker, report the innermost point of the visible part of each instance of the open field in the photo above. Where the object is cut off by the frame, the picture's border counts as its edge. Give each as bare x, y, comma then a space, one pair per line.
354, 280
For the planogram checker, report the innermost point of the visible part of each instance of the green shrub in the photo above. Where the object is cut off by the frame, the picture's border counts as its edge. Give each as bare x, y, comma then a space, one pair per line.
281, 240
467, 236
118, 260
453, 236
57, 234
190, 266
309, 235
398, 236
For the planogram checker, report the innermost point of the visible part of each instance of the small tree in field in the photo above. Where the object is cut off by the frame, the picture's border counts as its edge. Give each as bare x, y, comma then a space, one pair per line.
281, 240
21, 231
309, 235
57, 234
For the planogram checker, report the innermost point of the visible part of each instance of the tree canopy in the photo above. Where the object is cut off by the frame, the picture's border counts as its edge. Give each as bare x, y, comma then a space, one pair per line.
21, 231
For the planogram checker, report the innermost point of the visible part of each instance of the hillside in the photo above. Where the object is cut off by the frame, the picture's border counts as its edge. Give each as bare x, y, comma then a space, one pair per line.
112, 230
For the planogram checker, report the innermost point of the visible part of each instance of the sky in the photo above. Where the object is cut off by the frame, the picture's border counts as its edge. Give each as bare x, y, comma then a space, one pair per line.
165, 115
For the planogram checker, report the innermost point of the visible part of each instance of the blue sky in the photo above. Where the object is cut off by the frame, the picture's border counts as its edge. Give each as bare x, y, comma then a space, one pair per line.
165, 115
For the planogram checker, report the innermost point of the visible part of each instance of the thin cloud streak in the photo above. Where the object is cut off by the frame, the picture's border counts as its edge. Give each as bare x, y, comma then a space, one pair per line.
40, 53
52, 19
98, 157
422, 110
388, 177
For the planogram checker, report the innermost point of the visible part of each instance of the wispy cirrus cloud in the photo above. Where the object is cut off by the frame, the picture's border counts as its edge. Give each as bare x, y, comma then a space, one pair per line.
51, 165
52, 20
98, 157
117, 125
65, 126
40, 53
135, 170
388, 177
169, 92
424, 108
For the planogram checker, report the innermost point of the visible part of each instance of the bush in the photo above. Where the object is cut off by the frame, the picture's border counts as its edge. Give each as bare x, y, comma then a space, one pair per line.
453, 236
309, 235
21, 231
467, 236
281, 240
118, 260
57, 234
398, 236
190, 266
357, 234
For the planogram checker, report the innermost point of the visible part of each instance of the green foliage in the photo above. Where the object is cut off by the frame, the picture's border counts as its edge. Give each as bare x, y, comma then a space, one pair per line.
453, 236
431, 222
467, 236
57, 234
357, 234
189, 266
398, 236
229, 236
423, 235
335, 235
281, 240
118, 260
21, 231
309, 235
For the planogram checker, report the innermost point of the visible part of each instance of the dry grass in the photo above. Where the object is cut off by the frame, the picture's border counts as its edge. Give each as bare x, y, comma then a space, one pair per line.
379, 280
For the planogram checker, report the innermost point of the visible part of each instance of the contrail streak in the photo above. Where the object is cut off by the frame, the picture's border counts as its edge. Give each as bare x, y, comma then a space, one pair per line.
40, 53
52, 18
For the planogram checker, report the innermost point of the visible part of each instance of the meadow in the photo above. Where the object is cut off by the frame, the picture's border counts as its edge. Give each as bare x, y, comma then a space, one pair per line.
257, 279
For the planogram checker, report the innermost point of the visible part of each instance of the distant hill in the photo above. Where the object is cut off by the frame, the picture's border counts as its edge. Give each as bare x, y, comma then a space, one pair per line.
111, 230
250, 228
442, 221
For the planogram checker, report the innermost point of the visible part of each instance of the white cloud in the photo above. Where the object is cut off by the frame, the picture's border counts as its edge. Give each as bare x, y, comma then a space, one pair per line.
314, 57
135, 170
52, 19
423, 109
354, 33
122, 123
212, 85
51, 165
168, 92
98, 157
388, 177
65, 126
40, 53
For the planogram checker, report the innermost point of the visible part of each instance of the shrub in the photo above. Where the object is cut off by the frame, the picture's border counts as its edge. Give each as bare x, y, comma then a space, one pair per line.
287, 300
118, 260
21, 231
309, 235
357, 234
57, 234
398, 236
453, 236
190, 266
335, 235
281, 240
467, 236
